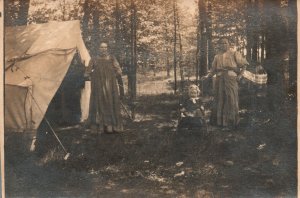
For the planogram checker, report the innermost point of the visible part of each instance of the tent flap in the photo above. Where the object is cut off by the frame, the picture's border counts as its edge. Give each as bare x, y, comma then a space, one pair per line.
31, 83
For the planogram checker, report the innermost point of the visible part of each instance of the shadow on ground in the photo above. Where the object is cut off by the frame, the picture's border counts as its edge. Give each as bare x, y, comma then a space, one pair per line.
152, 159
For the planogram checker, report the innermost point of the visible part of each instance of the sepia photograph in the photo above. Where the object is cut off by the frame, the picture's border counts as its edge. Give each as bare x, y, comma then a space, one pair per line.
149, 98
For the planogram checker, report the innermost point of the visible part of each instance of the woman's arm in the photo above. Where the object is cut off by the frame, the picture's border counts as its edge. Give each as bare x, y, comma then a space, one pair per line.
212, 70
241, 62
88, 70
116, 66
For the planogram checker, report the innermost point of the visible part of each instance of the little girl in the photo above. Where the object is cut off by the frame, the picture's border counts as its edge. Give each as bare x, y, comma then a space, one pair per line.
191, 109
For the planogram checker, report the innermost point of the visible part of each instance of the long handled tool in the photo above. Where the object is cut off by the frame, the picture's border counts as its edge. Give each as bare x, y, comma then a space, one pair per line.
133, 119
126, 111
201, 84
55, 135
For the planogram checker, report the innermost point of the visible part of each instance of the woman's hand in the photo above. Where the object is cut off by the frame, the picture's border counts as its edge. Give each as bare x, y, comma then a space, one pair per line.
239, 77
205, 77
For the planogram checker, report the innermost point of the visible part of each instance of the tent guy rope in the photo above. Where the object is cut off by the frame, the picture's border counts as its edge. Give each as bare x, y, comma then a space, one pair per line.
67, 155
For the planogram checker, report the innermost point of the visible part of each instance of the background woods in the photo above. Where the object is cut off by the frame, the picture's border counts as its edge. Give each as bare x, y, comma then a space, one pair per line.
143, 34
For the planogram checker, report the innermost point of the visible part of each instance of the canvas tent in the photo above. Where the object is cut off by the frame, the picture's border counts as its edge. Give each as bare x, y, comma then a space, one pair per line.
37, 58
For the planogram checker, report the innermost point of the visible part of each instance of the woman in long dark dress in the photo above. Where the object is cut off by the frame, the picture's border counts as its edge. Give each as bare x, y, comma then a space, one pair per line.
105, 99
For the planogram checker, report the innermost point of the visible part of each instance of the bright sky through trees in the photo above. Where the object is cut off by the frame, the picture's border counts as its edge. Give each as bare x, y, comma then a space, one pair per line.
190, 5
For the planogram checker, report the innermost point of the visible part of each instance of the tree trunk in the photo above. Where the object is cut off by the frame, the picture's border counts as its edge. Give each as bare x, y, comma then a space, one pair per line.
198, 42
180, 64
95, 37
180, 54
262, 31
250, 29
133, 65
293, 42
168, 63
118, 45
274, 27
256, 31
262, 47
210, 51
85, 23
203, 36
167, 48
254, 47
174, 49
23, 12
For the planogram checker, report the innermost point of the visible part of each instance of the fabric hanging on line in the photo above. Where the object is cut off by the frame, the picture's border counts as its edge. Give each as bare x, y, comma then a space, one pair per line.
256, 78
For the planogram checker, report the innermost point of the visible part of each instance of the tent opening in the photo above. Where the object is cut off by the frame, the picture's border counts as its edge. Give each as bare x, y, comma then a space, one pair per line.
64, 109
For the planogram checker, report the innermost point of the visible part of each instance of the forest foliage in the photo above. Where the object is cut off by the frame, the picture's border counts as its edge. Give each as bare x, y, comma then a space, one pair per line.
164, 35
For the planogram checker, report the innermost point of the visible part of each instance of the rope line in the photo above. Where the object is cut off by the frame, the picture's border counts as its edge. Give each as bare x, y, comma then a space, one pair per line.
48, 123
27, 56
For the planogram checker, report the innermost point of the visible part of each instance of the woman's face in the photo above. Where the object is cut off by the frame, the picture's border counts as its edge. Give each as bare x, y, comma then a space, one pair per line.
103, 48
224, 45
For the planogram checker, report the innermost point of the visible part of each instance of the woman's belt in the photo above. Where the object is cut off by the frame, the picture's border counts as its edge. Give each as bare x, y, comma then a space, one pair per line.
227, 68
229, 71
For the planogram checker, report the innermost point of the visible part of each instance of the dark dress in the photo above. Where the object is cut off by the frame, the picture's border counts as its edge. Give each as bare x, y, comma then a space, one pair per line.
105, 100
192, 113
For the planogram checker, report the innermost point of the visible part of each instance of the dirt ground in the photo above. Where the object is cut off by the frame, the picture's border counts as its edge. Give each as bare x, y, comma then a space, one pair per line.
154, 159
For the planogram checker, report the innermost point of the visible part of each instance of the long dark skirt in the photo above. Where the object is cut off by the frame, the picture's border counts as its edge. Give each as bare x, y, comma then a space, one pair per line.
226, 106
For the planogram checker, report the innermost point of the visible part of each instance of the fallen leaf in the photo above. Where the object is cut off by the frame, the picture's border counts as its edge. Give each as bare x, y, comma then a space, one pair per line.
276, 162
261, 146
229, 163
179, 174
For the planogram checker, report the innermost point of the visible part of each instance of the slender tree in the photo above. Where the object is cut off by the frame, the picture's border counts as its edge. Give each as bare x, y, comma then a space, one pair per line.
180, 61
118, 43
175, 45
253, 30
166, 42
262, 32
167, 51
85, 22
95, 34
203, 37
133, 55
23, 12
198, 46
210, 49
